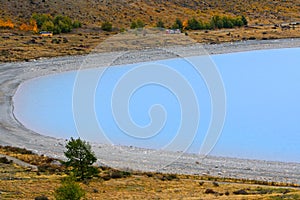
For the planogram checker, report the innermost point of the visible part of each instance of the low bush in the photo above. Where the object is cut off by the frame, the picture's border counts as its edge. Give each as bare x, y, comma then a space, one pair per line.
4, 160
177, 24
69, 190
160, 24
137, 24
16, 150
106, 26
41, 198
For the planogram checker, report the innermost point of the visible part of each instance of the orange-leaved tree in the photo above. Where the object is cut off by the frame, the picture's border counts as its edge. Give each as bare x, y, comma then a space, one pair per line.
6, 24
32, 26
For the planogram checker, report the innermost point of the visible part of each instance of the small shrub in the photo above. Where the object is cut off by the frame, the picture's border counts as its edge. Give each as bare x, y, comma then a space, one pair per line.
116, 174
240, 192
215, 184
160, 24
122, 30
244, 20
55, 41
210, 191
95, 190
137, 24
177, 24
69, 190
106, 26
140, 24
77, 24
133, 25
168, 177
4, 160
41, 198
149, 174
106, 177
201, 183
119, 174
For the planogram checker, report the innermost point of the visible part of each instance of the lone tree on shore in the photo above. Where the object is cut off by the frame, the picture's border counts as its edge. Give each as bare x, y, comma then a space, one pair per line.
80, 159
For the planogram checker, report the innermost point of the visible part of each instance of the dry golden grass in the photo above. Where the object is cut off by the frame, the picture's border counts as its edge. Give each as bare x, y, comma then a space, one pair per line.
245, 33
29, 185
18, 46
122, 13
19, 183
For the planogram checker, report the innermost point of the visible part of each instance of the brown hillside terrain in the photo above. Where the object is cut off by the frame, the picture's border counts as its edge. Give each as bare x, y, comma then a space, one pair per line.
17, 182
265, 18
121, 13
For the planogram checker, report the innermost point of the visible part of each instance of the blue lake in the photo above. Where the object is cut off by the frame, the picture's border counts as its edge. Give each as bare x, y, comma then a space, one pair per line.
262, 105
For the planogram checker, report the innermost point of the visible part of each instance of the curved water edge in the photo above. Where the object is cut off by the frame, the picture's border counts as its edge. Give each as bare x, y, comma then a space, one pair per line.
261, 121
12, 134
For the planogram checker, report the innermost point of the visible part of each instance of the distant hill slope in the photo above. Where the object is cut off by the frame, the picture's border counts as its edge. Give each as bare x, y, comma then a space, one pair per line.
122, 12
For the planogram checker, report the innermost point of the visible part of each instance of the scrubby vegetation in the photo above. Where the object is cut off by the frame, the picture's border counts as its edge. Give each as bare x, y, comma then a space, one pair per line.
69, 189
57, 24
160, 24
21, 183
6, 24
217, 22
177, 24
137, 24
200, 20
106, 26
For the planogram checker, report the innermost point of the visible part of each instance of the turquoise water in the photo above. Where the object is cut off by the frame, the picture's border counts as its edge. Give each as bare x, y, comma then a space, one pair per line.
262, 105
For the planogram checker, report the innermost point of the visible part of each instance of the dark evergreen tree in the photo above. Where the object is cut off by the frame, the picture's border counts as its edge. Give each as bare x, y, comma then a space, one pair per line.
80, 159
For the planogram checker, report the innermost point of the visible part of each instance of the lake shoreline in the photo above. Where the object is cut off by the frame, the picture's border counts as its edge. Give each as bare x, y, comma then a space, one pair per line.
15, 134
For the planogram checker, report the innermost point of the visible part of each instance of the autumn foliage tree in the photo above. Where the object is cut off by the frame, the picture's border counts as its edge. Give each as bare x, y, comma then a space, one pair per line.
58, 24
6, 24
32, 26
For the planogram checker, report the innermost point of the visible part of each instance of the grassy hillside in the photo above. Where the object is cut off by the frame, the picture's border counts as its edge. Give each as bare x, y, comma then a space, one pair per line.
263, 16
121, 13
17, 182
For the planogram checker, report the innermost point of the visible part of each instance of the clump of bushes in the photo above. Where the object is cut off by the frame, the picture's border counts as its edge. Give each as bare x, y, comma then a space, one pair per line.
169, 177
69, 189
4, 160
115, 174
137, 24
57, 24
16, 150
217, 22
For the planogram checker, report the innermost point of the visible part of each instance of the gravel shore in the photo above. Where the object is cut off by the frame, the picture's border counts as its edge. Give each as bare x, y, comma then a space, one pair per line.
15, 134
